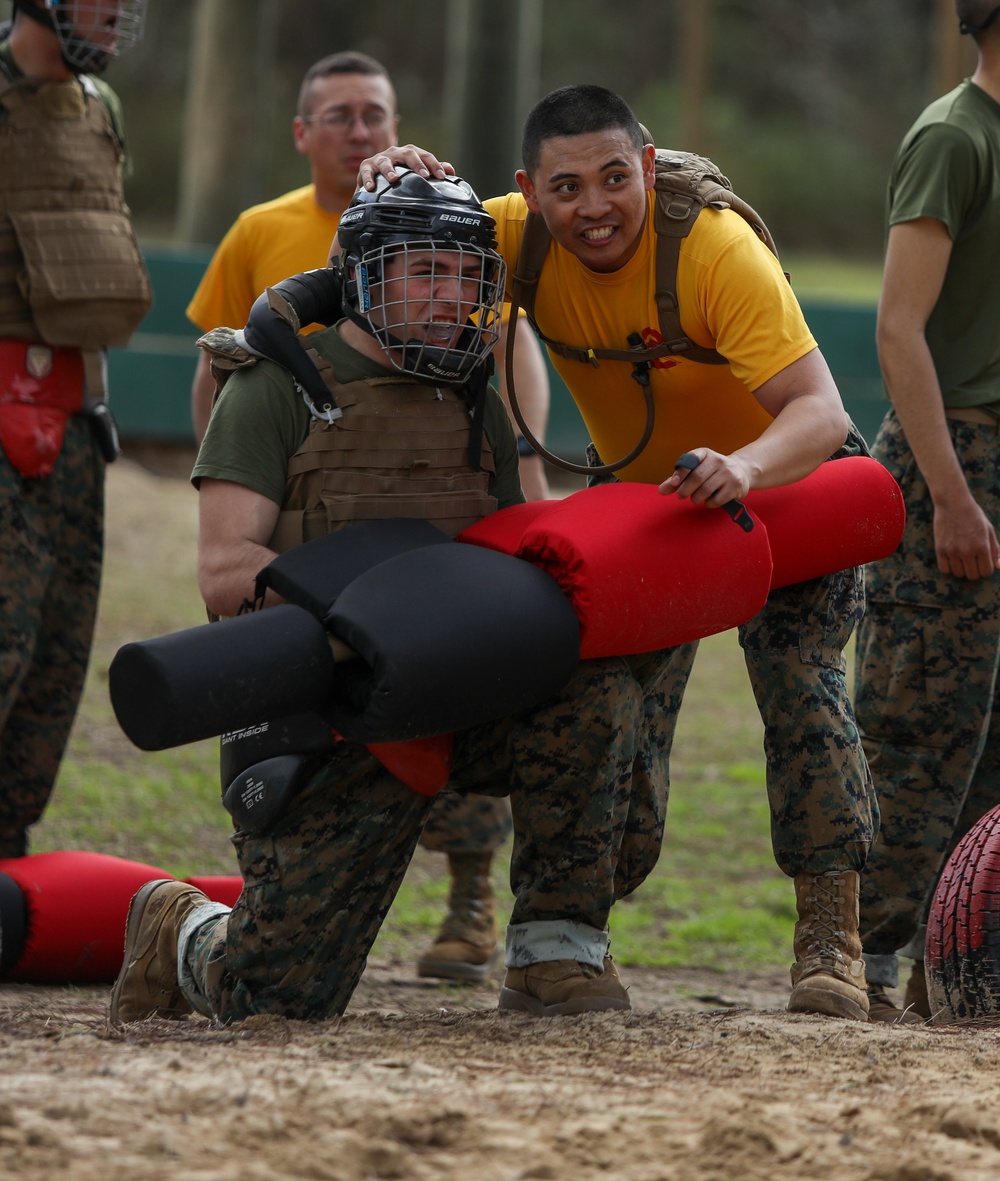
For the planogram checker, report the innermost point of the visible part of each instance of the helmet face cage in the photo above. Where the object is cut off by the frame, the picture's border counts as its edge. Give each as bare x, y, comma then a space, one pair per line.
92, 32
435, 308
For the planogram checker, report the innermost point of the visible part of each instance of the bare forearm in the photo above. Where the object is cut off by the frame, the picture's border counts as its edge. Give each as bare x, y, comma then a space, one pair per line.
531, 379
531, 388
912, 382
808, 424
202, 396
804, 434
227, 580
234, 525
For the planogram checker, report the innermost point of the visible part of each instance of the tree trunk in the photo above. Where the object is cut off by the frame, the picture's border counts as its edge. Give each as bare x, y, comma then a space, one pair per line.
226, 125
692, 69
492, 80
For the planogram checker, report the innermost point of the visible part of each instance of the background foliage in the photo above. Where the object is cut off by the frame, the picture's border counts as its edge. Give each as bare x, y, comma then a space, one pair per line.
804, 102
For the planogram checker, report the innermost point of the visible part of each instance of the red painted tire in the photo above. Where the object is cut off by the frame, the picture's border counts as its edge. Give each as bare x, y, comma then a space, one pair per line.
962, 959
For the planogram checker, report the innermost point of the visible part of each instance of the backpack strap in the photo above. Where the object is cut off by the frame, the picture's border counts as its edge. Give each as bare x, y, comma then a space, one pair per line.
535, 241
674, 213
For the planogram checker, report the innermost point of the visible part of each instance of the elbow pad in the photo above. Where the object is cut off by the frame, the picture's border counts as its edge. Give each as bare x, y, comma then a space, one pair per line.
277, 315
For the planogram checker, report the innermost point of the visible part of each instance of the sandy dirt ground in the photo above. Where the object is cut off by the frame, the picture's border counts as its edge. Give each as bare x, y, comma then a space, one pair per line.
707, 1079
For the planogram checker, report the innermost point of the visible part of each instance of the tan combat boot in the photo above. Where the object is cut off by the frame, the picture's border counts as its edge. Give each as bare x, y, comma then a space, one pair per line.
466, 945
828, 975
558, 987
147, 984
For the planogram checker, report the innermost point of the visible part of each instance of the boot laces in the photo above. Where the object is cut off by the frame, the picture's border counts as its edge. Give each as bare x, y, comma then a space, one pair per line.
825, 930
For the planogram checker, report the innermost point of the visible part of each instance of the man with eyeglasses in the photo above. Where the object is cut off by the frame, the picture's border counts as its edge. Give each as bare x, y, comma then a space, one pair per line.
346, 109
346, 112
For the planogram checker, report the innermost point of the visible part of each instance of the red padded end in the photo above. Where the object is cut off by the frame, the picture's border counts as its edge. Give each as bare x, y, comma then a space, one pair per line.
647, 571
846, 513
503, 530
77, 903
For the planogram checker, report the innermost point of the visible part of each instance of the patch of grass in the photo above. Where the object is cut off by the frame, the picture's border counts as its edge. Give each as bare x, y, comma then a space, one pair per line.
162, 809
716, 899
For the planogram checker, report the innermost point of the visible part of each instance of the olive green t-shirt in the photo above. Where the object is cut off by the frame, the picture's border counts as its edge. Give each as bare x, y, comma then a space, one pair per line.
948, 168
260, 421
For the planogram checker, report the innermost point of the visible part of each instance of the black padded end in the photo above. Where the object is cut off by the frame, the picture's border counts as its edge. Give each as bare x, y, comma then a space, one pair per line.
222, 676
13, 923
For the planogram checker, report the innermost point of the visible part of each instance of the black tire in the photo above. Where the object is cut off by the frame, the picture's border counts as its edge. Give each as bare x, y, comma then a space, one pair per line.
962, 957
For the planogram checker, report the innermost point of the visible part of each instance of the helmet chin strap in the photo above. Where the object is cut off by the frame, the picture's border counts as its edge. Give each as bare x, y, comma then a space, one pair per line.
967, 27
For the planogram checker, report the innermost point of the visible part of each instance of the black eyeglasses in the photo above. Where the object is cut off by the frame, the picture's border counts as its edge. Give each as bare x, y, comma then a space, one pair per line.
341, 120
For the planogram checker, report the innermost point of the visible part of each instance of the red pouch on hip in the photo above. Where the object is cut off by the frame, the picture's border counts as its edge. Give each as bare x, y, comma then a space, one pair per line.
40, 387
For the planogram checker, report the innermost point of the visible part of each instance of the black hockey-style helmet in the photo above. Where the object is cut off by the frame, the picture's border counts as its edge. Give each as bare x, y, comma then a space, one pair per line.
437, 220
415, 208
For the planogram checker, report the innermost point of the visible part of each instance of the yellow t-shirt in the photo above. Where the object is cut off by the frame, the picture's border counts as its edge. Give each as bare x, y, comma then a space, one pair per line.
265, 244
733, 297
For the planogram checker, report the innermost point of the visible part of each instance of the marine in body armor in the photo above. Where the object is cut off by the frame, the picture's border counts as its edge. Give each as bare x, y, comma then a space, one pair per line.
72, 283
405, 424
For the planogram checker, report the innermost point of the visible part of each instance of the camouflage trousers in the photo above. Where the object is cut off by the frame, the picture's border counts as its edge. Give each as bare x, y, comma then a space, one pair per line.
467, 823
586, 773
51, 543
824, 814
926, 695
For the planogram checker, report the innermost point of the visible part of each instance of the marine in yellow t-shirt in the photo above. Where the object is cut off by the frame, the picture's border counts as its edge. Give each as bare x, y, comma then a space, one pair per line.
767, 418
732, 296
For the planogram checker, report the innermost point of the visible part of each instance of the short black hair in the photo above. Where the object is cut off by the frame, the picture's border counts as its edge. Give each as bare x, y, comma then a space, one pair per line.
349, 61
576, 110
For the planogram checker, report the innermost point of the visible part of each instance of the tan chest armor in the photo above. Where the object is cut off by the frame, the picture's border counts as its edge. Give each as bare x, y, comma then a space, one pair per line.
70, 269
400, 450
